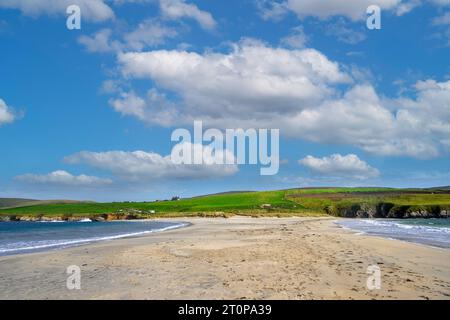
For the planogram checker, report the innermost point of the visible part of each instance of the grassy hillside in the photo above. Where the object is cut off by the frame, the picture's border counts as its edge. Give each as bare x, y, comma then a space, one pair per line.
248, 201
309, 201
6, 203
341, 201
15, 202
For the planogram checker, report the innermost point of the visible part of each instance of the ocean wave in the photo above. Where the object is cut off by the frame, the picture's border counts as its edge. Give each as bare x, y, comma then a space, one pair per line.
21, 246
50, 221
410, 231
403, 225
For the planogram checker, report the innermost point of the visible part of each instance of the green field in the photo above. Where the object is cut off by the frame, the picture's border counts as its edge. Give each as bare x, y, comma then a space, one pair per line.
226, 203
338, 202
304, 202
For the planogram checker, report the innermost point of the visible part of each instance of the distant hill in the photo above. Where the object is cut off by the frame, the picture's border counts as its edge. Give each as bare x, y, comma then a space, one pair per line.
18, 202
15, 202
336, 201
441, 188
221, 193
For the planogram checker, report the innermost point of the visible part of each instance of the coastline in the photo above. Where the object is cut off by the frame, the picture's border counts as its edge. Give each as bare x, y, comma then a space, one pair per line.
429, 232
234, 258
74, 233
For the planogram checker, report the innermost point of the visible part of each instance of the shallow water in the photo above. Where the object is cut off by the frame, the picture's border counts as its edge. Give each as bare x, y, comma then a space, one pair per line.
25, 237
433, 232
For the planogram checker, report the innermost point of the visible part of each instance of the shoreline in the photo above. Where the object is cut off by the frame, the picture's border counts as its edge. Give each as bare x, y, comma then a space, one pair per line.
428, 235
77, 242
188, 224
234, 258
365, 234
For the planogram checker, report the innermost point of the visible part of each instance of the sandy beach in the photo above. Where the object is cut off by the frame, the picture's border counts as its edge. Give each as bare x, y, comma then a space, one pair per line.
235, 258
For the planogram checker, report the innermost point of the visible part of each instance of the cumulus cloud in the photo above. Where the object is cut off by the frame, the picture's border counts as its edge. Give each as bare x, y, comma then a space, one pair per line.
147, 166
92, 10
336, 165
177, 9
63, 178
154, 107
100, 10
299, 91
405, 126
249, 83
6, 113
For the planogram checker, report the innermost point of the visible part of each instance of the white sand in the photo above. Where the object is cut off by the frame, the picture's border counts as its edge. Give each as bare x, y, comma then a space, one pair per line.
236, 258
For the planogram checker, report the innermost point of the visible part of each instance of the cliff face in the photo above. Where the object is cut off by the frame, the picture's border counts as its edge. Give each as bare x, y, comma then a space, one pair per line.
95, 218
354, 210
389, 210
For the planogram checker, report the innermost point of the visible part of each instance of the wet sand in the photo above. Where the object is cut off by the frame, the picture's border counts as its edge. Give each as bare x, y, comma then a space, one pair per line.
236, 258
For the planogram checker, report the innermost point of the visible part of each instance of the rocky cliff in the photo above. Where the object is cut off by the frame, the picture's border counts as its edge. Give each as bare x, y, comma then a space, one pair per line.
388, 210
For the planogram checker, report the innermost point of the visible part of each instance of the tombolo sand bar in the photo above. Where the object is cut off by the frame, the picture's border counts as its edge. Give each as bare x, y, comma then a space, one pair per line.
236, 258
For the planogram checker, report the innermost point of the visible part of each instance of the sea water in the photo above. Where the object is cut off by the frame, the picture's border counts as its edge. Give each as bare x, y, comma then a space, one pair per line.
432, 232
25, 237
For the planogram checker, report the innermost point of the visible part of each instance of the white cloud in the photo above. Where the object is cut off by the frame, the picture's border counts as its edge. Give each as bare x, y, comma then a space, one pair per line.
298, 91
177, 9
441, 2
121, 2
6, 113
251, 82
323, 9
297, 39
148, 166
149, 33
355, 10
412, 127
271, 10
92, 10
442, 20
63, 178
154, 108
336, 165
405, 7
343, 33
111, 86
99, 42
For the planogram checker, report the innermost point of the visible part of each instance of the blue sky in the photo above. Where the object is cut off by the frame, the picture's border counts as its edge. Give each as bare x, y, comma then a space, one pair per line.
88, 114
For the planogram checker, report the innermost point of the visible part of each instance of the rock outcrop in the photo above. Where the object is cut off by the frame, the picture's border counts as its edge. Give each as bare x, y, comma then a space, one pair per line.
388, 210
94, 218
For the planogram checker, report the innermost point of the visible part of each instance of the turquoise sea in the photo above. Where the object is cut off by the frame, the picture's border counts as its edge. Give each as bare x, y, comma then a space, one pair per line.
24, 237
432, 232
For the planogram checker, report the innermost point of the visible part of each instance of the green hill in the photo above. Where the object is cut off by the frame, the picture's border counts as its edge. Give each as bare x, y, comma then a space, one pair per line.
15, 202
298, 202
19, 202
